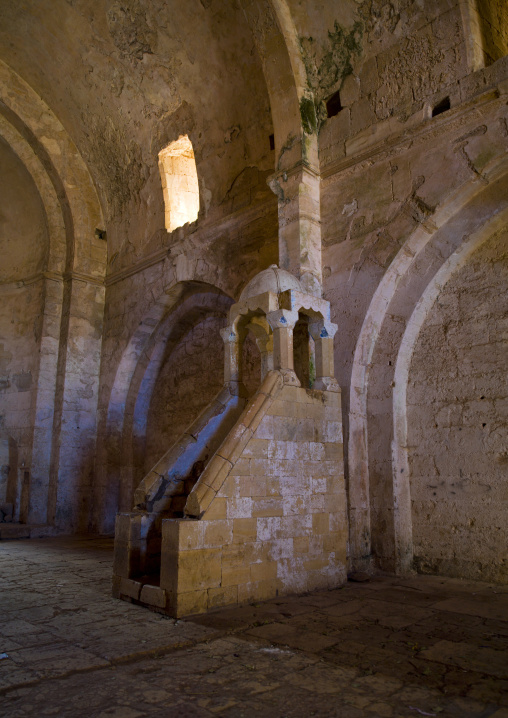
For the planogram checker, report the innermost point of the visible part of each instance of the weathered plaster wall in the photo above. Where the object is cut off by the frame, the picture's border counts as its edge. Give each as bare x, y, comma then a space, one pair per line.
388, 181
136, 77
23, 223
457, 417
384, 58
372, 204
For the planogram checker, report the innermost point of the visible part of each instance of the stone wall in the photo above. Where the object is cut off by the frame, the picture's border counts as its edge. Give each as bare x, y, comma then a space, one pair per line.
373, 192
271, 510
458, 423
198, 360
383, 217
24, 252
493, 21
20, 325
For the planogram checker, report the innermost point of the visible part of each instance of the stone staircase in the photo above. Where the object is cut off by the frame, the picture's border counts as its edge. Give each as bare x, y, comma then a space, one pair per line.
250, 502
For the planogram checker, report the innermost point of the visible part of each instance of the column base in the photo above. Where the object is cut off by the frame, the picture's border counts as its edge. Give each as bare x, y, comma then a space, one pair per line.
326, 383
290, 377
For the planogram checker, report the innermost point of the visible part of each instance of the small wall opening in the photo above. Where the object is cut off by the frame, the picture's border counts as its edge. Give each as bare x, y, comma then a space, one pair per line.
179, 183
304, 352
333, 105
442, 106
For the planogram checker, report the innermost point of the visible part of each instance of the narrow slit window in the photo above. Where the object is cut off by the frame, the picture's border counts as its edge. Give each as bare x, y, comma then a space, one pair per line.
179, 183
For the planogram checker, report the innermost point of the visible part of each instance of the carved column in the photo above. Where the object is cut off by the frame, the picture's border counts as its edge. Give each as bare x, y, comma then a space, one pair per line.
298, 192
233, 341
282, 322
323, 332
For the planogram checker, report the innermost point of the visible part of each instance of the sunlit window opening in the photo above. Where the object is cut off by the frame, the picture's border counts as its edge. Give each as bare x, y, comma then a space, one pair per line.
179, 183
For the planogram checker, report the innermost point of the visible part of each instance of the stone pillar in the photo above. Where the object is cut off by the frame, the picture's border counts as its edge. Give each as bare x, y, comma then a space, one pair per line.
323, 332
45, 400
298, 192
76, 397
233, 341
282, 322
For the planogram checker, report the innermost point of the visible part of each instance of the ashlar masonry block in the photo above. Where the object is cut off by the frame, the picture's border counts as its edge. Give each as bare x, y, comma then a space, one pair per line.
276, 523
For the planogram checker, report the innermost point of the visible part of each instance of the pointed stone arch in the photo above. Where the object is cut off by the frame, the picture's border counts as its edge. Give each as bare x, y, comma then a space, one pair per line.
125, 414
372, 452
73, 291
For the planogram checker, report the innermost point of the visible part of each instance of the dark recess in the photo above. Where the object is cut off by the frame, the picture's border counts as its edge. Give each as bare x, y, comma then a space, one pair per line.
333, 106
441, 107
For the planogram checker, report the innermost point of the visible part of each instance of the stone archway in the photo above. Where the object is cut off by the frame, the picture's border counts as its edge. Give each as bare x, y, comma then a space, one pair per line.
71, 284
438, 504
181, 305
379, 498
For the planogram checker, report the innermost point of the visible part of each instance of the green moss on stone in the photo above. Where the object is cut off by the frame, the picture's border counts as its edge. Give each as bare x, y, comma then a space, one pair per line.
327, 75
308, 115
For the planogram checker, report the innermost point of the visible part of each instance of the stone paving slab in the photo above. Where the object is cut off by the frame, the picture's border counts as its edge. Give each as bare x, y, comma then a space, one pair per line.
468, 657
495, 607
232, 677
384, 647
302, 639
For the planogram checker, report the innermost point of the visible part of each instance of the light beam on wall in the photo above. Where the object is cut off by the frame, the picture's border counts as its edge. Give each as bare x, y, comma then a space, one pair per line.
179, 183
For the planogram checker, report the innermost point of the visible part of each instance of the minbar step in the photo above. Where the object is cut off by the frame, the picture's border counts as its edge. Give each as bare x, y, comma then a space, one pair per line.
144, 591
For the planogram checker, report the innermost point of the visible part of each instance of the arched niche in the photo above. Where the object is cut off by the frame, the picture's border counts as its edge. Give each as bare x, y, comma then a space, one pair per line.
379, 490
451, 415
190, 375
25, 248
147, 359
60, 458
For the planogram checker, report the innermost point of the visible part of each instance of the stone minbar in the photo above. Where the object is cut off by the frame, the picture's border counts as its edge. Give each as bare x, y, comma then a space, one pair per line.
266, 516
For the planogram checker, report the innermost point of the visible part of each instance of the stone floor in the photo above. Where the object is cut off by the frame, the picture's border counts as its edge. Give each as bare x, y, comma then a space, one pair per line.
424, 646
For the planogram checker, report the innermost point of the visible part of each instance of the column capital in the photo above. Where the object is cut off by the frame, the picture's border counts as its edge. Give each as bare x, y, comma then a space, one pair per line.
229, 335
322, 329
282, 319
327, 383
